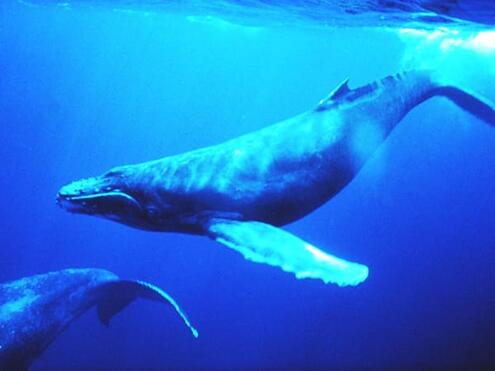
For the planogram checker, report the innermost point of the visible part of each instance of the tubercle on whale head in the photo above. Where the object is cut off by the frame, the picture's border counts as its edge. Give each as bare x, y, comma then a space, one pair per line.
116, 195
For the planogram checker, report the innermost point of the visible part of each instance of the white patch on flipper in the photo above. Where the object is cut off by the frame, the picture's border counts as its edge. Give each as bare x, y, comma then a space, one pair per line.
263, 243
320, 255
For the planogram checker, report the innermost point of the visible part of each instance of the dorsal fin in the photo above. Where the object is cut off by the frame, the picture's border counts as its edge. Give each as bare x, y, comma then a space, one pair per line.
338, 92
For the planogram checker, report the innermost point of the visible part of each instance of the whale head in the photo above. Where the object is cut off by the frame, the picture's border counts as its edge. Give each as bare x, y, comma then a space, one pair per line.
118, 196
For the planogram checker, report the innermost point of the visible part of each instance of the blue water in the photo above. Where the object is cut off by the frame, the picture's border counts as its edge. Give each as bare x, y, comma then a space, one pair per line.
83, 89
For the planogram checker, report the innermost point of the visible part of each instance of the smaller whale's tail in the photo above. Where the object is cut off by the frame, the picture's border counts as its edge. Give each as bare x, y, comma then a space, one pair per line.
114, 296
477, 106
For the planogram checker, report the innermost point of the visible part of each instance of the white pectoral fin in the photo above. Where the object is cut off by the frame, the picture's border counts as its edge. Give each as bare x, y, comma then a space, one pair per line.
263, 243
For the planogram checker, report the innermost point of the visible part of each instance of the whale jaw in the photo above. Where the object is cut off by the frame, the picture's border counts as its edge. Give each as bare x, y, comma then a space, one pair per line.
103, 203
98, 196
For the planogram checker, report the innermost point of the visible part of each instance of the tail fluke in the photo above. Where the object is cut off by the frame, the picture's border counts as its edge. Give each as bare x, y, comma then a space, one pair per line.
477, 106
116, 295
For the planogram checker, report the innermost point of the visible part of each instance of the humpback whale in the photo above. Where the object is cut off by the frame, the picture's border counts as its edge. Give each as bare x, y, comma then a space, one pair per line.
241, 191
35, 310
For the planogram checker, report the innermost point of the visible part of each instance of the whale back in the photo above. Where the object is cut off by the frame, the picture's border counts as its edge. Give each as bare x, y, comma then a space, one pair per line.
284, 171
389, 98
401, 92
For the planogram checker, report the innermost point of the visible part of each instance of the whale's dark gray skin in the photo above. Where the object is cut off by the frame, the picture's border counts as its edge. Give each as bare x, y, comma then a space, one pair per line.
35, 310
240, 191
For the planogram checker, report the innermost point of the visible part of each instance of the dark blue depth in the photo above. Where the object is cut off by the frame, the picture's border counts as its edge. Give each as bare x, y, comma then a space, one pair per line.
82, 90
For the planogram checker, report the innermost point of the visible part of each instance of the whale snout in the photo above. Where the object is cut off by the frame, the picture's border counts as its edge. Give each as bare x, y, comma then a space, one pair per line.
72, 196
86, 186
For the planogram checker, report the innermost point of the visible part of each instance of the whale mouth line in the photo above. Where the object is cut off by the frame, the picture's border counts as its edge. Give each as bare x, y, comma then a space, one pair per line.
98, 195
89, 203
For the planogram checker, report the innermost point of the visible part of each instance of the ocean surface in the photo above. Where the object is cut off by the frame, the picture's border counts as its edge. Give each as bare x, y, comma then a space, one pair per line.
88, 85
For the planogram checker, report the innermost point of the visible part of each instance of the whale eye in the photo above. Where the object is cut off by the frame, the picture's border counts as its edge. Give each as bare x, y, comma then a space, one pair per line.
152, 213
116, 172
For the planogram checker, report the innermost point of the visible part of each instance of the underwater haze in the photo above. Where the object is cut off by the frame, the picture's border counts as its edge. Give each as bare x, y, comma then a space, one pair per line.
86, 86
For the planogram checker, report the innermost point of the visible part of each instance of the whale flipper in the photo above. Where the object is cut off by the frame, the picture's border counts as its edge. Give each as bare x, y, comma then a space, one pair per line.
264, 243
117, 295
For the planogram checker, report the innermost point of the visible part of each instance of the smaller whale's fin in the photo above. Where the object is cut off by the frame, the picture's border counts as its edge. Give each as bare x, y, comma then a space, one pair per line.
116, 295
339, 91
263, 243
